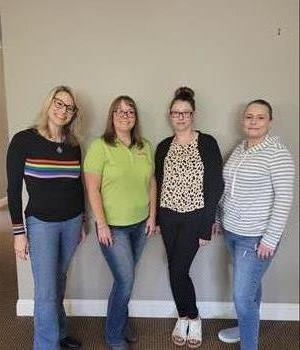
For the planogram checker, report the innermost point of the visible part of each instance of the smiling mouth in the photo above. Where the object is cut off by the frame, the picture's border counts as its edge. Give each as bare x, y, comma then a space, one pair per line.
62, 117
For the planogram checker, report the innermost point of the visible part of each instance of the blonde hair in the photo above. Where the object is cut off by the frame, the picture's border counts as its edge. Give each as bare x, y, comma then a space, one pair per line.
71, 131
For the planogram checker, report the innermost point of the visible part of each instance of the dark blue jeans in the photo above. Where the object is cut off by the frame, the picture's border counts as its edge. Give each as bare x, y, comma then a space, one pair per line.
122, 258
51, 246
248, 271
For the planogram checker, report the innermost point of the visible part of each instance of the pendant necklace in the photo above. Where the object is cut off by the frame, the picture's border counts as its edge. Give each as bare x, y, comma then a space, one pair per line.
59, 148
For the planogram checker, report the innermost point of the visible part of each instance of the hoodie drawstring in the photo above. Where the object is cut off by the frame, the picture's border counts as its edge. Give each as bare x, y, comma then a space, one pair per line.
235, 174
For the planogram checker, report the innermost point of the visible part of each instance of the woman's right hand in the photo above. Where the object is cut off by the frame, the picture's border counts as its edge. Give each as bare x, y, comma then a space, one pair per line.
21, 246
216, 229
104, 235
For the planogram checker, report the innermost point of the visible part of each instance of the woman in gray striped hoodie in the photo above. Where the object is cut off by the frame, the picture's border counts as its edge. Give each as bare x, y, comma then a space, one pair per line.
252, 215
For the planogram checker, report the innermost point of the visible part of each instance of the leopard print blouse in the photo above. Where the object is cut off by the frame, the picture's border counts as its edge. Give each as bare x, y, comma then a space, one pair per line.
182, 187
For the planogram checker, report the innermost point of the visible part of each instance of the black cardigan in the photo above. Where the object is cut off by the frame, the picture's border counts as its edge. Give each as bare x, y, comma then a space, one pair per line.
213, 184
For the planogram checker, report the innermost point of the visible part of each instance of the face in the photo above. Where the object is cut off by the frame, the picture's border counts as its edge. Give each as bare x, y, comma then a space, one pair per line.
256, 121
181, 116
62, 109
124, 117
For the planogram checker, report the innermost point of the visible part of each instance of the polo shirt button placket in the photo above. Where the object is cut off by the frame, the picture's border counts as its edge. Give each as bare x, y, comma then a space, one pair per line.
130, 155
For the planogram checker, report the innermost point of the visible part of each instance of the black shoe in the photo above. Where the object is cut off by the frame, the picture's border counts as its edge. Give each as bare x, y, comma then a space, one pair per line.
70, 343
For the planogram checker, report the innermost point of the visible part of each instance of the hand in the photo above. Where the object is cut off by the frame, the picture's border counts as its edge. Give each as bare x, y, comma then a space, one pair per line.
104, 235
150, 226
216, 229
264, 251
84, 231
21, 246
158, 230
203, 242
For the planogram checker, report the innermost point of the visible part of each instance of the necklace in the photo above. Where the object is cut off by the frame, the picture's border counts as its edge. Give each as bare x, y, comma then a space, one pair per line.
187, 141
59, 149
58, 139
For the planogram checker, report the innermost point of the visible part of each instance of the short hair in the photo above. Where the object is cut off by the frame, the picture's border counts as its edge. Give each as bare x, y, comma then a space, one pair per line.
263, 103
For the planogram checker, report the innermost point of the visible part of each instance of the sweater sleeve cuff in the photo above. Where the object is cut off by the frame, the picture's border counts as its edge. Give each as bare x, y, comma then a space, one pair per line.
270, 241
18, 229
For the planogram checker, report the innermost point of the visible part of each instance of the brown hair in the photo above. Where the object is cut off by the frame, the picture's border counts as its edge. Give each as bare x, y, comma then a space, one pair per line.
184, 94
71, 131
110, 135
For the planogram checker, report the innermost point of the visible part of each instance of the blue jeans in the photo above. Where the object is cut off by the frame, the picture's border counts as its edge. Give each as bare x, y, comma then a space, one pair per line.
248, 271
122, 258
51, 246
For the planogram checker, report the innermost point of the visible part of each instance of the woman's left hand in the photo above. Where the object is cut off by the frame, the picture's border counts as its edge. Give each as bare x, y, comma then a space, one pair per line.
264, 251
203, 242
150, 226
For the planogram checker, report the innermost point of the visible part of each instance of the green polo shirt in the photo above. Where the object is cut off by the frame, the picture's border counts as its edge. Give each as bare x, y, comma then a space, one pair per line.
125, 179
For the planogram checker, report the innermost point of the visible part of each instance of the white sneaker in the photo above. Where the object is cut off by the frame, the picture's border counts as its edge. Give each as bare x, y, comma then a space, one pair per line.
194, 339
179, 333
229, 335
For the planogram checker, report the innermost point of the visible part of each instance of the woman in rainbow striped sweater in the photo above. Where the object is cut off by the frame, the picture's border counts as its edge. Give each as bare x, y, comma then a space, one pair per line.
48, 158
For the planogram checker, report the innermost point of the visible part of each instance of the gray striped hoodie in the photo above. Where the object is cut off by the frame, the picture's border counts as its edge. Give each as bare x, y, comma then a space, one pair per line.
258, 191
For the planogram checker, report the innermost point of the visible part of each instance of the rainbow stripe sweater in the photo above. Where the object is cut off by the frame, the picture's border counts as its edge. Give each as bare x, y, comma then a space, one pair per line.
52, 175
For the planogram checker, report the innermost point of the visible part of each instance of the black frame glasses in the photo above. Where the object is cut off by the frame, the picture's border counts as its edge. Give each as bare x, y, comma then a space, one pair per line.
59, 104
125, 114
178, 114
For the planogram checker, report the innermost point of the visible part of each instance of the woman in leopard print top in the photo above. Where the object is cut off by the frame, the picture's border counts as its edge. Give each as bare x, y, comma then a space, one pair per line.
189, 182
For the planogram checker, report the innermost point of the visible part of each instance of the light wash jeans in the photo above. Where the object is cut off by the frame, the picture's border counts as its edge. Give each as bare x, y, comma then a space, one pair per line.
122, 257
51, 246
248, 271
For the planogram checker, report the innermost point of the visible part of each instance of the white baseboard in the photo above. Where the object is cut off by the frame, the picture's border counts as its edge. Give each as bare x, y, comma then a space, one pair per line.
166, 309
3, 202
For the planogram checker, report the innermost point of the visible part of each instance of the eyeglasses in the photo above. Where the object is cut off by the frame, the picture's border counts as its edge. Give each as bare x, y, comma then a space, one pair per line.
59, 104
125, 114
177, 114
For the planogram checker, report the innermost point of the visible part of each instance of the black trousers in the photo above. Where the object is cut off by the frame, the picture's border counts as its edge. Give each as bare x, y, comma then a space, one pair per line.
181, 233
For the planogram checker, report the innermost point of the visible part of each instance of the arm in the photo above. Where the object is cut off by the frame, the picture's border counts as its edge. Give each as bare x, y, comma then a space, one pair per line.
93, 184
282, 177
217, 225
15, 172
159, 158
213, 184
158, 181
150, 224
93, 168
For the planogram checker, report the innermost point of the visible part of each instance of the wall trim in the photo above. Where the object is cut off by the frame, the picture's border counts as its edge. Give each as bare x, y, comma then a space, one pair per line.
166, 309
3, 202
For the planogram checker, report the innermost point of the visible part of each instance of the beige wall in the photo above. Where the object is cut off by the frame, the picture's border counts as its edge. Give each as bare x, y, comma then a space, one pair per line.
3, 127
228, 51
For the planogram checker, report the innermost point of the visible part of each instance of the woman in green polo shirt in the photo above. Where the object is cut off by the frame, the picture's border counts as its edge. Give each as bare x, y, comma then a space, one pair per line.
122, 192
